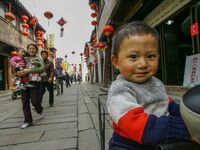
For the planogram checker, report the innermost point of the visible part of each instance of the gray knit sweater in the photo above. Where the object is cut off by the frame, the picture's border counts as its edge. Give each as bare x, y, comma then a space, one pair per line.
125, 95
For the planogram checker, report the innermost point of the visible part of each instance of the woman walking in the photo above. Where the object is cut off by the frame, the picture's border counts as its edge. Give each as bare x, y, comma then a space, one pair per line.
34, 66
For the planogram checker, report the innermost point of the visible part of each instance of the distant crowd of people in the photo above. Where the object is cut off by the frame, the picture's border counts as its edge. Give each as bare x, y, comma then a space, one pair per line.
36, 75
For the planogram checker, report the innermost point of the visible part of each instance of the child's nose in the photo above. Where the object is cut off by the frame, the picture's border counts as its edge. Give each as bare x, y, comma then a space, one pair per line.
143, 63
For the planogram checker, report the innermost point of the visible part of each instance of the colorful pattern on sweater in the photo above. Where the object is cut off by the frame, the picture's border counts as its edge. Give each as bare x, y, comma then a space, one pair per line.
140, 112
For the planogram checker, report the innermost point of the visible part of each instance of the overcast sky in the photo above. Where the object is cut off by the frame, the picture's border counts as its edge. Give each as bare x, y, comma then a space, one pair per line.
77, 30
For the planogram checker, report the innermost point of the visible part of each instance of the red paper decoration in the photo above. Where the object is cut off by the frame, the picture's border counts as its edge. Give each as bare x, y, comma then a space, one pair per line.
62, 22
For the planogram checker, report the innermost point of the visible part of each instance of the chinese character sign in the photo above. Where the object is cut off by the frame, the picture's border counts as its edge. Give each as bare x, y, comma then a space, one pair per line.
50, 40
192, 71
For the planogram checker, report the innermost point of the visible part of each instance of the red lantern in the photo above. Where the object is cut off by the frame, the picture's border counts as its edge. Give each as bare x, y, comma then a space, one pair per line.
9, 16
33, 21
48, 15
101, 45
108, 30
96, 45
93, 6
24, 18
95, 61
94, 36
93, 15
39, 38
94, 22
39, 33
24, 33
24, 25
94, 41
62, 22
39, 44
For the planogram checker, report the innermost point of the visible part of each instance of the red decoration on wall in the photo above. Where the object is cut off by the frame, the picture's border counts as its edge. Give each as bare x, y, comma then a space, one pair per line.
194, 29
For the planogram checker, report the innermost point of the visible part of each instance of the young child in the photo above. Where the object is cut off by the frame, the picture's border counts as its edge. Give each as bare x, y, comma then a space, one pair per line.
19, 63
143, 115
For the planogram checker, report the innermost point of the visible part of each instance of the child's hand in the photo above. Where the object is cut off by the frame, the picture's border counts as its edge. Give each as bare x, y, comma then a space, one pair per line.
195, 139
26, 71
17, 66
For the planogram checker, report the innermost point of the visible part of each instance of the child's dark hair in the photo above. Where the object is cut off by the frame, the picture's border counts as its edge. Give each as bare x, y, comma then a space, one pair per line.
18, 49
34, 46
131, 29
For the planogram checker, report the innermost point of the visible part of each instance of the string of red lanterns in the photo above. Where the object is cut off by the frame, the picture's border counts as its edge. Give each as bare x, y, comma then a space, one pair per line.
25, 26
40, 39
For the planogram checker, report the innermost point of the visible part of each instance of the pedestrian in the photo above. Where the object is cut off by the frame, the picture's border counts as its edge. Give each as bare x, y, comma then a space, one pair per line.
142, 113
34, 66
47, 78
59, 78
71, 78
19, 63
79, 78
74, 78
67, 78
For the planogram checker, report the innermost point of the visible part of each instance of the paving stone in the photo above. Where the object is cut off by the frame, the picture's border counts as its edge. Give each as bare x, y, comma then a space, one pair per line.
88, 140
36, 128
20, 138
60, 134
82, 109
87, 99
70, 143
85, 122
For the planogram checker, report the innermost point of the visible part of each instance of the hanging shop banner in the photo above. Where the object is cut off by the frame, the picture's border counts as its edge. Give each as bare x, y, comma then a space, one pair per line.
65, 65
50, 40
192, 71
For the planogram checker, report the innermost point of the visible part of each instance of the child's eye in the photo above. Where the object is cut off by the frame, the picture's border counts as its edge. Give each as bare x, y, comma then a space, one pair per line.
151, 56
133, 57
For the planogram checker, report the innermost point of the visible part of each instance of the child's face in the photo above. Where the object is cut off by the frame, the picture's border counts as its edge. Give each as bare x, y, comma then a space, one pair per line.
21, 53
137, 59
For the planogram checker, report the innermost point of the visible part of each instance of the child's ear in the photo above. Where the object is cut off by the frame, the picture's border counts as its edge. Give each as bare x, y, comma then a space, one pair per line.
114, 61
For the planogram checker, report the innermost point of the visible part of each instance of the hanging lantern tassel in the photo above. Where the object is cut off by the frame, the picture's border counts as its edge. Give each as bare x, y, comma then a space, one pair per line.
61, 32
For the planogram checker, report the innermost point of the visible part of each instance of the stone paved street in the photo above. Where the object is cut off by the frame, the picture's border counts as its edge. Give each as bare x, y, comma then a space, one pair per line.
71, 124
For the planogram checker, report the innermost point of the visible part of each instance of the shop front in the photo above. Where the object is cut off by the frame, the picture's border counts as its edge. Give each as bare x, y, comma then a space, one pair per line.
173, 21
